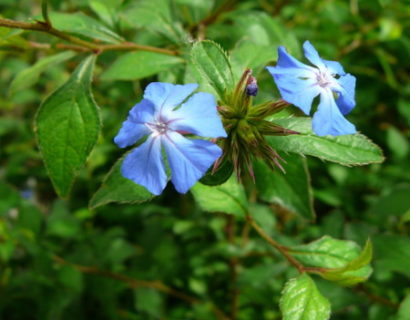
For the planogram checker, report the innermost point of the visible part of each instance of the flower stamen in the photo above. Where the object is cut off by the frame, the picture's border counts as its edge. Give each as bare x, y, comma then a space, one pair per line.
157, 128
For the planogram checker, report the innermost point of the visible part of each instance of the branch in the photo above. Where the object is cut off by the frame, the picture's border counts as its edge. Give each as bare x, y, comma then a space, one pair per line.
375, 298
134, 283
81, 44
282, 249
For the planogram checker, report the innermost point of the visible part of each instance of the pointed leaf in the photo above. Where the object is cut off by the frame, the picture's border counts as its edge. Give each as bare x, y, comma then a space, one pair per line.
116, 188
82, 24
67, 127
229, 197
301, 300
29, 76
291, 190
342, 261
218, 177
156, 16
348, 150
404, 309
138, 65
213, 64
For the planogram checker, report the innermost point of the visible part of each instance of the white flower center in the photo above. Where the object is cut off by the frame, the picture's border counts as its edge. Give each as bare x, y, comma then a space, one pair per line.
324, 78
157, 128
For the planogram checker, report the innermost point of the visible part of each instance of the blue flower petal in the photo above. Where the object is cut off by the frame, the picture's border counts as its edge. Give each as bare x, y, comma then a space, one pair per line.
312, 55
134, 127
188, 159
328, 119
297, 87
285, 60
346, 100
144, 166
198, 116
166, 96
334, 67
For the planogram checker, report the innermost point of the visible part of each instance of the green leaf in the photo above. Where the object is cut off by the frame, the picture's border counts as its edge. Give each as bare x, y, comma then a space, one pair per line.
392, 253
44, 10
264, 216
156, 16
10, 198
291, 190
404, 309
116, 188
248, 54
264, 30
67, 127
60, 223
150, 301
344, 261
348, 150
213, 64
397, 143
29, 76
394, 201
222, 174
70, 278
106, 9
355, 271
256, 51
301, 300
229, 197
81, 24
138, 65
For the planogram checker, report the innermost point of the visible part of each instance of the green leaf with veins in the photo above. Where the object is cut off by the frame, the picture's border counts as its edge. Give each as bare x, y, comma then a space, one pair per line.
342, 261
301, 300
213, 64
348, 150
228, 197
67, 126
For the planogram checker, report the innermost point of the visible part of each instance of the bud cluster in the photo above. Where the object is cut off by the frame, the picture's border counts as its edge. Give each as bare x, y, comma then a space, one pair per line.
246, 127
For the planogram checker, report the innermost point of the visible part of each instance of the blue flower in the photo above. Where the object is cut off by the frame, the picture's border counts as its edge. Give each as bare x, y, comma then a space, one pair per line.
299, 84
159, 118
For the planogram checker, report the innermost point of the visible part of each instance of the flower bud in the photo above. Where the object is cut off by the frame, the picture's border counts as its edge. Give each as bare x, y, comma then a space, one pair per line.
252, 86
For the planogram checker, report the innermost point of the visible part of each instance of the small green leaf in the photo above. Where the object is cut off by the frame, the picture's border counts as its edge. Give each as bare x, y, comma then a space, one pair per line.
149, 301
248, 54
61, 224
29, 76
70, 278
404, 309
67, 127
138, 65
348, 150
157, 17
79, 23
116, 188
301, 300
271, 32
229, 197
222, 174
10, 198
291, 190
343, 261
355, 271
392, 253
106, 10
44, 10
256, 51
398, 143
213, 64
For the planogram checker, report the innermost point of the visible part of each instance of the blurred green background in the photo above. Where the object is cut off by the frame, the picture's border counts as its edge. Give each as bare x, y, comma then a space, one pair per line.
61, 260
